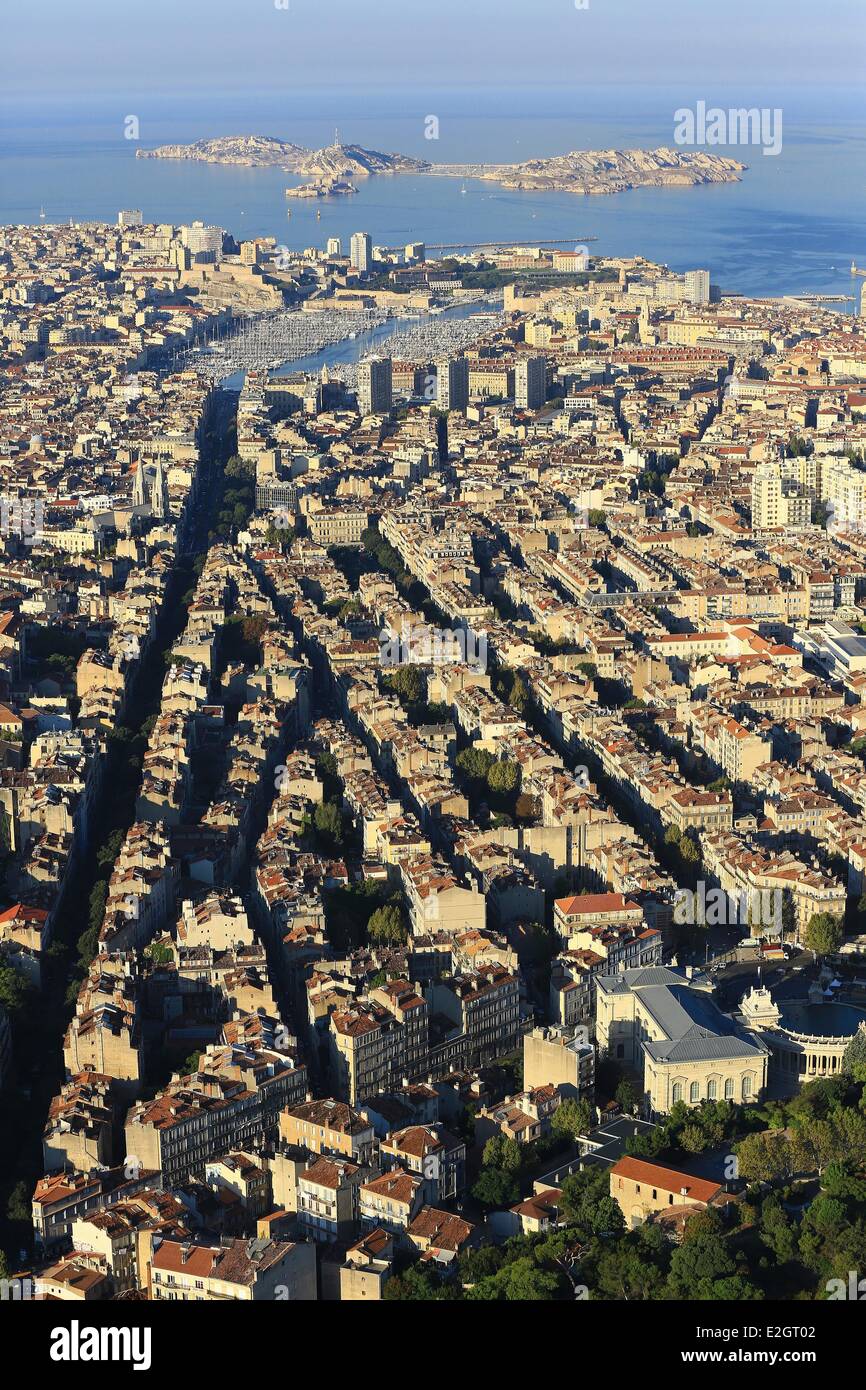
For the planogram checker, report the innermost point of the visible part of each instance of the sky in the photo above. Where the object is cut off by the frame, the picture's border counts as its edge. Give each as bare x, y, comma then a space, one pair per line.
57, 50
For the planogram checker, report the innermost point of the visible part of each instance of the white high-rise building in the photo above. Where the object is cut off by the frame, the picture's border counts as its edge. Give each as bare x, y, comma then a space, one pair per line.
697, 286
452, 383
530, 382
334, 246
375, 392
203, 241
361, 251
780, 499
843, 489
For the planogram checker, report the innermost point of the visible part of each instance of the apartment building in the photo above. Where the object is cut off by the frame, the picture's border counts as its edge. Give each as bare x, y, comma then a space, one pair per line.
575, 916
246, 1270
203, 1116
375, 391
328, 1199
430, 1153
328, 1127
559, 1057
337, 525
367, 1051
392, 1201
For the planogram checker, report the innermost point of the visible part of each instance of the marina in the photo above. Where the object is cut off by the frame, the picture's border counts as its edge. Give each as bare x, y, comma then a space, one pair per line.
292, 340
272, 339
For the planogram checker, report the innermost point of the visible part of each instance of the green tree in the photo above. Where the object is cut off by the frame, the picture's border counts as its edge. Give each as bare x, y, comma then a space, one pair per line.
693, 1139
481, 1263
626, 1095
625, 1273
88, 944
520, 1281
496, 1187
407, 683
96, 904
778, 1232
824, 934
18, 1208
418, 1284
702, 1223
854, 1060
518, 695
502, 1152
690, 852
475, 762
821, 1231
582, 1196
503, 777
572, 1118
386, 926
765, 1158
15, 992
697, 1265
328, 823
159, 953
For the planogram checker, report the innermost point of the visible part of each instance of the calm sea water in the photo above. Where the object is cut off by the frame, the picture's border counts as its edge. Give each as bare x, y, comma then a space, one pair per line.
793, 224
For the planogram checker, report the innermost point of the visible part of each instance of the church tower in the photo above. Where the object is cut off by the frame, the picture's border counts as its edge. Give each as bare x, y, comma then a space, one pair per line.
139, 495
159, 493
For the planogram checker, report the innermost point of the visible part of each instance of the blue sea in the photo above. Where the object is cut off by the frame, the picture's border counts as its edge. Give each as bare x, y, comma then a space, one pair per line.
793, 224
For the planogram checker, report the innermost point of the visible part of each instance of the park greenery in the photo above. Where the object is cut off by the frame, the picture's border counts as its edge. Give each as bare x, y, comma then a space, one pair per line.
797, 1223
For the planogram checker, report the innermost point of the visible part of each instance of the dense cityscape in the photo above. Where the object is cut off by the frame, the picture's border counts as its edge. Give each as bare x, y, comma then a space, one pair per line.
432, 786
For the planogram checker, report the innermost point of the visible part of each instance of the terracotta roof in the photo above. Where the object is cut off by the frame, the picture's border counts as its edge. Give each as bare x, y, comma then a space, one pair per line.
592, 903
668, 1179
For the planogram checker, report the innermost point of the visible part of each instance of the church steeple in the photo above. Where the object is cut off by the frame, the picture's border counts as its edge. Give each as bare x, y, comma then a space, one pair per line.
159, 492
139, 495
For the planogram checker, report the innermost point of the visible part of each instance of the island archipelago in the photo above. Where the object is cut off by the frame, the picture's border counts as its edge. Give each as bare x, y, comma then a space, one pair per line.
585, 172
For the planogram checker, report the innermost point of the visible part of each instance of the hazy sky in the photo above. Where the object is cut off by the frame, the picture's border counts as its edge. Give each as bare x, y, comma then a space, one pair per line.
97, 47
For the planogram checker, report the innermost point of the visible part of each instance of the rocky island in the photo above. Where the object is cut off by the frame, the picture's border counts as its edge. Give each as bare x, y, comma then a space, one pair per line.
585, 172
605, 171
336, 161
